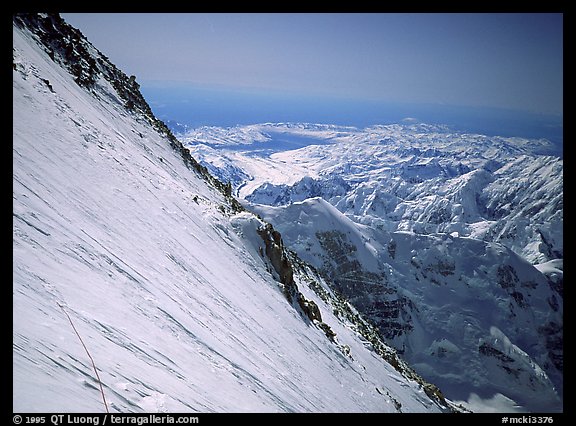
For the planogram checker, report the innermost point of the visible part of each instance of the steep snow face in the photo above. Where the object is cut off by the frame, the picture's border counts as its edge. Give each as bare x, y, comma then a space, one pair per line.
444, 240
165, 281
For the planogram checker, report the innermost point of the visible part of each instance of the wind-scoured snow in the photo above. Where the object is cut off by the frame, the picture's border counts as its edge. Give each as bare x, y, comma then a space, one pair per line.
165, 283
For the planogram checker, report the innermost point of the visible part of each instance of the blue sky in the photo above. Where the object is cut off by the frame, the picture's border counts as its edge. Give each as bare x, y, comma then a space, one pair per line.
512, 61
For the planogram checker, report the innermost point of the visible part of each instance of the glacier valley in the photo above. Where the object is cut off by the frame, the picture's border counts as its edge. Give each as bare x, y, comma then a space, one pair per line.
450, 243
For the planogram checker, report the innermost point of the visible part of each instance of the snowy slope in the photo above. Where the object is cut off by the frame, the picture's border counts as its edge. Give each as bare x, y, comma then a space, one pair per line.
450, 243
163, 276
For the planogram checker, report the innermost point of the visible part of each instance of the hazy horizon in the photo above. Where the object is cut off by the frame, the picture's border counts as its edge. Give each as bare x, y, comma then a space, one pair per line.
511, 61
197, 106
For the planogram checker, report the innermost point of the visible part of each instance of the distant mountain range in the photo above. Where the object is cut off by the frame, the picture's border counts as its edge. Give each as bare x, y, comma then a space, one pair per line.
451, 243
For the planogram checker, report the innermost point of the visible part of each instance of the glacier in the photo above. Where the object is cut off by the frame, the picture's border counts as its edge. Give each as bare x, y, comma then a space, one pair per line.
186, 301
439, 237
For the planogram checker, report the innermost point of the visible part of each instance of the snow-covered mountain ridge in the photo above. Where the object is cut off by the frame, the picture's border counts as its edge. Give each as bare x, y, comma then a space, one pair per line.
420, 178
186, 301
444, 240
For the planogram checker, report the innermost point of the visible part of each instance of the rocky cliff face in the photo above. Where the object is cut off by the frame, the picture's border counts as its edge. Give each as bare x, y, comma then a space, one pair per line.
67, 46
436, 300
